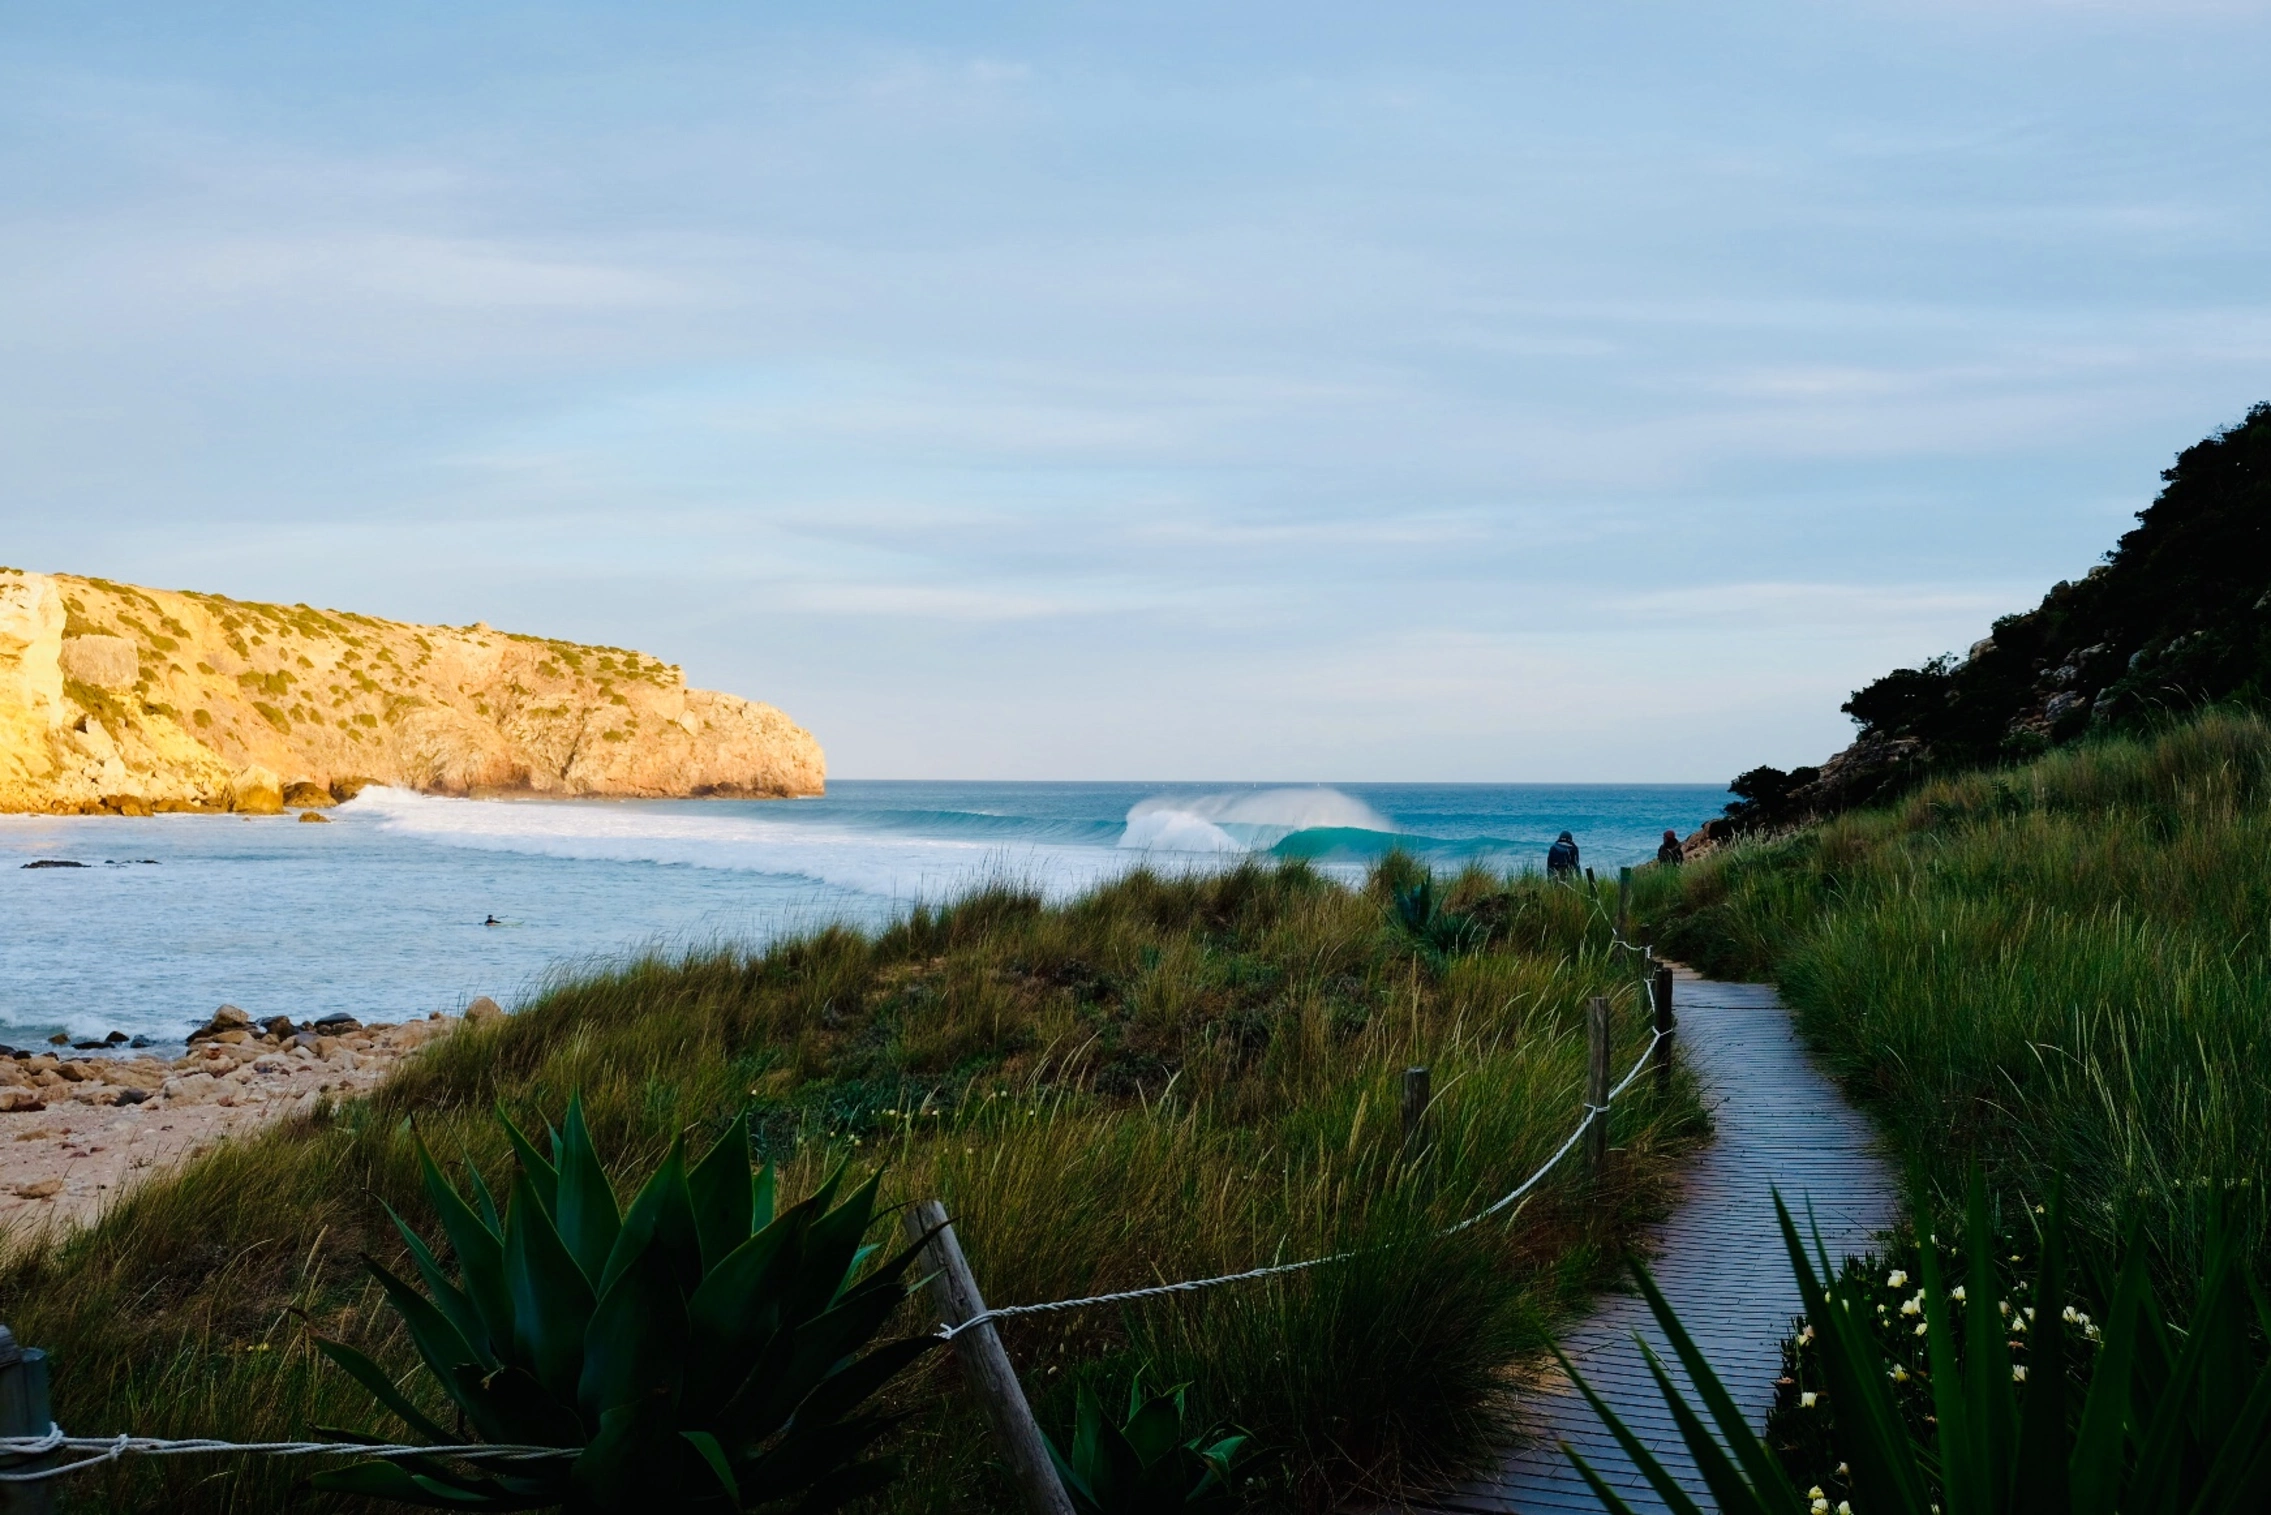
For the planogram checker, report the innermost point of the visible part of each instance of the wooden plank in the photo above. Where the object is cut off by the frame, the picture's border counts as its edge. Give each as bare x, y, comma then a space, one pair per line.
1778, 1121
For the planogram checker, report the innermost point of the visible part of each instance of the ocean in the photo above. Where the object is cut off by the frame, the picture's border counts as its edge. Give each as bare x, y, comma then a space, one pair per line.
382, 912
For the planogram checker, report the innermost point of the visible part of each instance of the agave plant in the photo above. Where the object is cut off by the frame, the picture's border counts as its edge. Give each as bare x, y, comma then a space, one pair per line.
1145, 1465
2172, 1422
1445, 933
698, 1352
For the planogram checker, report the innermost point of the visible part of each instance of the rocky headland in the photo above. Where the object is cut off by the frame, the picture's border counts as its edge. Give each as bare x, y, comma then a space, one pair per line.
126, 700
79, 1124
2177, 618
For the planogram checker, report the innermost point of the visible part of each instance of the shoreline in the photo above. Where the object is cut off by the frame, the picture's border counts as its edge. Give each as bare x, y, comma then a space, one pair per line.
77, 1132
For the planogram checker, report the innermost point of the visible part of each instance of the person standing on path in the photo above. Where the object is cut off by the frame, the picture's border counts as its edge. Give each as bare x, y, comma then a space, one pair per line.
1561, 857
1670, 854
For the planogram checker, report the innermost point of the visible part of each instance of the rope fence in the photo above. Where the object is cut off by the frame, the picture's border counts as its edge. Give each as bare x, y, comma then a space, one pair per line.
1593, 1112
111, 1448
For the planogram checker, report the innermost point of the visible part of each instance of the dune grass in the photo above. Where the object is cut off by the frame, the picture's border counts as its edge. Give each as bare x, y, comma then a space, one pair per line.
1168, 1077
2056, 968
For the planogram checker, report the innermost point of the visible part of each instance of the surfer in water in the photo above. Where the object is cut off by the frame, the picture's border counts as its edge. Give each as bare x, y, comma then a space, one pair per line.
492, 921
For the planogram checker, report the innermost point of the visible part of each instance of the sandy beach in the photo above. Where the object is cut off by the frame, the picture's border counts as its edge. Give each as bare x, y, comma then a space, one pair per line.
78, 1127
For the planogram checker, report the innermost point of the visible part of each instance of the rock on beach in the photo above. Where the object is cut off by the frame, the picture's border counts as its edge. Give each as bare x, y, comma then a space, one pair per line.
76, 1129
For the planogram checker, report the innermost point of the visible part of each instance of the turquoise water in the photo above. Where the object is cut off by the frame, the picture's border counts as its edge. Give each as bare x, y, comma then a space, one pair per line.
381, 912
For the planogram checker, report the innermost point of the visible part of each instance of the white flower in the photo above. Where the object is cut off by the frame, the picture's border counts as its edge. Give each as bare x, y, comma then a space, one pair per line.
1844, 1507
1815, 1492
1956, 1294
1818, 1507
1898, 1374
1843, 1471
1923, 1328
1808, 1400
1913, 1306
2018, 1373
1897, 1280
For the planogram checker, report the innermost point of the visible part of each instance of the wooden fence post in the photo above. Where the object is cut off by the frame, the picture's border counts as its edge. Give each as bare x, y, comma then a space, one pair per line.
24, 1411
1416, 1096
1597, 1083
955, 1291
1665, 1025
1624, 901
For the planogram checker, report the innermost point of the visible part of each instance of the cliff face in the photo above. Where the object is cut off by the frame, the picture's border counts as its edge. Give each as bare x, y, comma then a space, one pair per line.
114, 698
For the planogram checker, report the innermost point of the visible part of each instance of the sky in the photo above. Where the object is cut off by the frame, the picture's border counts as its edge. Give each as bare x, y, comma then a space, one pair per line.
1491, 392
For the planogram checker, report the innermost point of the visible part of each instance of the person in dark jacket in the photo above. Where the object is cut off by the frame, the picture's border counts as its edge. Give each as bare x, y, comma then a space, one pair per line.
1561, 857
1669, 854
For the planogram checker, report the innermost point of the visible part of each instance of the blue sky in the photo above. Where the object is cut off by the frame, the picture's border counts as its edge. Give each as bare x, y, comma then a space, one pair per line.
1311, 391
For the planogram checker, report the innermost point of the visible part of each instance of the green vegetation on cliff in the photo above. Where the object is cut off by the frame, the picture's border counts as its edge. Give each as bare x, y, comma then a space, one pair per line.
1161, 1080
2175, 620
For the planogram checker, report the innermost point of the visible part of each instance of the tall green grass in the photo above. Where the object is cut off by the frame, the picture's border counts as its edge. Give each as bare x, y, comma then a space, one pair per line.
2058, 968
1167, 1078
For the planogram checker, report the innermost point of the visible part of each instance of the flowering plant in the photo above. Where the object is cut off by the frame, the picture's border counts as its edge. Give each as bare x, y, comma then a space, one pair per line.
2173, 1421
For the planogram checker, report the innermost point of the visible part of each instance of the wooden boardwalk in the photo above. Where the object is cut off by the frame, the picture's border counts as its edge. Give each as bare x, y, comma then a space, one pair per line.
1719, 1257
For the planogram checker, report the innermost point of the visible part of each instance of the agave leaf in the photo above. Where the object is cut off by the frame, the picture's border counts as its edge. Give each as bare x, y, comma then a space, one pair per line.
842, 1391
713, 1456
372, 1377
1759, 1467
484, 1203
1651, 1468
763, 1192
543, 1178
829, 1248
523, 1412
1730, 1490
447, 1296
383, 1480
1087, 1433
723, 1199
618, 1471
660, 1214
1993, 1408
1155, 1429
2239, 1477
635, 1347
803, 1456
2156, 1478
1876, 1437
2042, 1460
1963, 1477
1610, 1499
1076, 1487
737, 1310
2095, 1471
796, 1362
552, 1300
480, 1250
586, 1212
437, 1341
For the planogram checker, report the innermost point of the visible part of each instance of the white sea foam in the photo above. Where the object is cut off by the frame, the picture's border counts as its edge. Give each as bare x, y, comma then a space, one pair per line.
893, 863
1243, 821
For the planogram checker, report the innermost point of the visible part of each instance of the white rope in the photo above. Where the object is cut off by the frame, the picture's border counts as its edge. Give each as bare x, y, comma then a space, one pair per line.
111, 1448
1592, 1113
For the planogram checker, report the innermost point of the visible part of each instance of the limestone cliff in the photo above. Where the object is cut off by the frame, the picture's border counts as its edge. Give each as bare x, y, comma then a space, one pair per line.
123, 699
